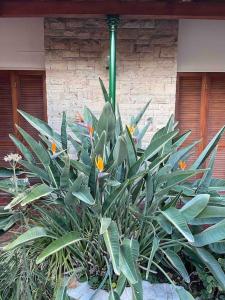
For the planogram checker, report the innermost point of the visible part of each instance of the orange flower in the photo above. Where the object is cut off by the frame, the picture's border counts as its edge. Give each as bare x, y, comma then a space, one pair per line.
182, 165
79, 118
53, 148
131, 129
90, 129
99, 163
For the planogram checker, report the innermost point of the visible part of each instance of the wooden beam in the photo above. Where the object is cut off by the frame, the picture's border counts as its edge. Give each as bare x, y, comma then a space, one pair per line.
202, 9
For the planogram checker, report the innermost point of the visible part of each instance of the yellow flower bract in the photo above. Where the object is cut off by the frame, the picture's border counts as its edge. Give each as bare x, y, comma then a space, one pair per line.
99, 163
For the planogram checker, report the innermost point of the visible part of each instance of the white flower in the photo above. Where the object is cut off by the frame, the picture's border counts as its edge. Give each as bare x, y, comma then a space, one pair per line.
13, 157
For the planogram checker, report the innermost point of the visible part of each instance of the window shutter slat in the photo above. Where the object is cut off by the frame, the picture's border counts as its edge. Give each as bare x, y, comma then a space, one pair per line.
216, 118
188, 109
6, 115
31, 94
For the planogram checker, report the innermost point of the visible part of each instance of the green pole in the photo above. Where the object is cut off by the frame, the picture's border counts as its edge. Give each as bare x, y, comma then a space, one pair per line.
113, 25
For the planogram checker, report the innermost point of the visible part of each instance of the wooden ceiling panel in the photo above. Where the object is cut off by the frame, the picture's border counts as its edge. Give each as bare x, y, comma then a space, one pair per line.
170, 9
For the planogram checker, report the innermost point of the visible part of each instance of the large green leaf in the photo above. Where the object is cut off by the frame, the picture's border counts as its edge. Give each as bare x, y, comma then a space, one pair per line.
111, 237
154, 147
212, 212
194, 206
210, 235
113, 296
64, 132
84, 195
127, 263
100, 145
175, 217
183, 294
213, 266
137, 119
176, 261
107, 122
218, 247
131, 151
36, 192
180, 154
65, 175
29, 235
36, 171
104, 91
38, 149
119, 152
155, 246
59, 244
24, 150
40, 126
208, 149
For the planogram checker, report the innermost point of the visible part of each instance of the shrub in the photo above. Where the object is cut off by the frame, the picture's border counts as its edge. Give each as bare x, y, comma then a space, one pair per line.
105, 210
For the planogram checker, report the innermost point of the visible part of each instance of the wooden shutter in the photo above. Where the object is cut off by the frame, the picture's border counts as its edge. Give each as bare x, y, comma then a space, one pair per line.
24, 90
216, 117
200, 107
188, 108
31, 99
6, 114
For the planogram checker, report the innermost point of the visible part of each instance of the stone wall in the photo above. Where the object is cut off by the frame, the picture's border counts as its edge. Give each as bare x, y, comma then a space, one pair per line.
76, 55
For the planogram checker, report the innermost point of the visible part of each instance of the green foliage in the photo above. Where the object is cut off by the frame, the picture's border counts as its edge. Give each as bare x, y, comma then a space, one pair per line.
106, 210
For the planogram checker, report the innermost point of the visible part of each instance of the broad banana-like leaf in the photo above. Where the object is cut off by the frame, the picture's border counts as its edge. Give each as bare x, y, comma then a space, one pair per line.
38, 149
80, 166
178, 155
29, 235
142, 132
24, 150
115, 196
64, 137
119, 152
212, 212
36, 192
60, 290
84, 195
207, 176
114, 296
155, 246
131, 151
194, 206
127, 263
121, 284
36, 171
99, 148
107, 122
111, 237
181, 139
218, 247
208, 149
213, 266
65, 175
137, 289
178, 220
40, 126
15, 201
175, 260
154, 147
59, 244
80, 190
137, 119
173, 179
104, 91
183, 294
210, 235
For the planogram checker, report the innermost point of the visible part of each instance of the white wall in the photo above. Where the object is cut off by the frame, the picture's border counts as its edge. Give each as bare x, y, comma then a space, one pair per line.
201, 46
22, 43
